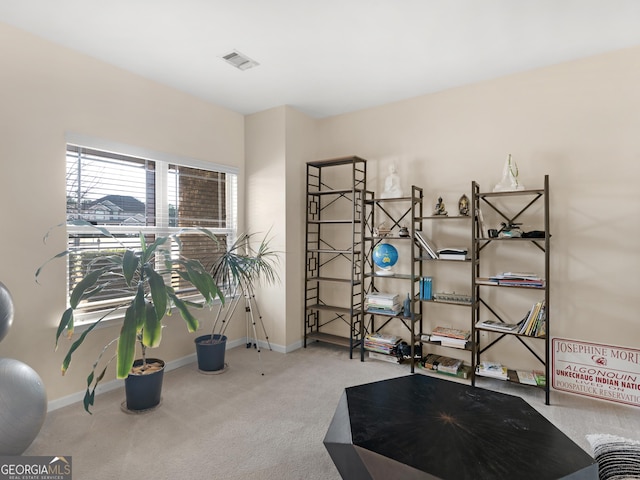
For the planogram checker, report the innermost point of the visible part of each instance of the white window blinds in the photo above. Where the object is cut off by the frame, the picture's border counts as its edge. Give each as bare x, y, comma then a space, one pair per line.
132, 196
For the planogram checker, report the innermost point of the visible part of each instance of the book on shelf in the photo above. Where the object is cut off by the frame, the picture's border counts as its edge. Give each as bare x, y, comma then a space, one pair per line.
500, 326
395, 310
541, 379
426, 286
481, 224
492, 369
441, 363
452, 254
450, 342
382, 298
451, 332
515, 279
381, 343
426, 245
383, 338
534, 323
526, 377
383, 303
383, 357
463, 372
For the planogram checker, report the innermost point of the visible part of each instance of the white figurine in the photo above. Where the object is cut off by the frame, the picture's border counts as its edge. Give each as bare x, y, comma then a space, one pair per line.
392, 184
509, 180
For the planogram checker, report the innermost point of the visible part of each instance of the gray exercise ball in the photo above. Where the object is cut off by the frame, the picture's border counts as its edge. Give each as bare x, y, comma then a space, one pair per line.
6, 311
23, 399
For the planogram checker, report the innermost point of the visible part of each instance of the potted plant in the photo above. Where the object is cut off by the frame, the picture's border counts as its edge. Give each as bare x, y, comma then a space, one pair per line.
146, 299
238, 268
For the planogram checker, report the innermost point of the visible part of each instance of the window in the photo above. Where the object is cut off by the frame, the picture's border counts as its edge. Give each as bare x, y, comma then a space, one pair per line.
133, 196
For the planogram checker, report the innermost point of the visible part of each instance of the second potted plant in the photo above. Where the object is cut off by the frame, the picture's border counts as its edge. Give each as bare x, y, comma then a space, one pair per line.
238, 268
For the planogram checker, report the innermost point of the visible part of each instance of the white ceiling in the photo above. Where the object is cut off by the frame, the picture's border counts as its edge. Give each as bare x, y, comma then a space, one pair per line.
326, 57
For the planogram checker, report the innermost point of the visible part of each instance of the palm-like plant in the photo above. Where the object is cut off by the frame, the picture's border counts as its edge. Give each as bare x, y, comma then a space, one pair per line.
239, 269
149, 299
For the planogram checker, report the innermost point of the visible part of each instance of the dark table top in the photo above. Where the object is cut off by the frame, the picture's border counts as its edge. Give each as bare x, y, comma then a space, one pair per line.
453, 430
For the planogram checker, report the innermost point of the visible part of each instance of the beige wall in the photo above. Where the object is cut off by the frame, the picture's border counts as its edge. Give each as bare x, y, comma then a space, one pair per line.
278, 144
45, 92
265, 149
577, 122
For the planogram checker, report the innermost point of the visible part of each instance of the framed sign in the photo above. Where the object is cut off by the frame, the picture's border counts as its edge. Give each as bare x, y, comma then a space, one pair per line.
602, 371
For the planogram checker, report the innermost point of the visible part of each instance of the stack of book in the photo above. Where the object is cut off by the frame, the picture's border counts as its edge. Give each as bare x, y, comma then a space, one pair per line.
384, 303
450, 337
492, 369
513, 279
452, 254
381, 343
446, 365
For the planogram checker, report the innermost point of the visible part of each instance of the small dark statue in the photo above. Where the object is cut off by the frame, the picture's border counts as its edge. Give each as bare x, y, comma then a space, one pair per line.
440, 209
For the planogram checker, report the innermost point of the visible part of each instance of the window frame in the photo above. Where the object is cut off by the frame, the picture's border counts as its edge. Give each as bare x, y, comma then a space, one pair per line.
163, 161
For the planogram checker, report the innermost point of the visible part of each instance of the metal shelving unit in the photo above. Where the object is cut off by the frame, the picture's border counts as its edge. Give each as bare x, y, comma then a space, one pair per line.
394, 212
334, 252
482, 302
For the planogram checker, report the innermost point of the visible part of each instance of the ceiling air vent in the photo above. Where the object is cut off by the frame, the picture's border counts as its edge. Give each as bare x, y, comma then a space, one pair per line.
239, 60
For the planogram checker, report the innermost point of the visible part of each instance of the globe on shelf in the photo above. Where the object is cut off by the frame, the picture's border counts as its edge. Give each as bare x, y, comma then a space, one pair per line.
385, 256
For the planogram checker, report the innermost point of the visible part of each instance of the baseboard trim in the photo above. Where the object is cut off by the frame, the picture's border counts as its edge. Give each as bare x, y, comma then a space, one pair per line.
171, 365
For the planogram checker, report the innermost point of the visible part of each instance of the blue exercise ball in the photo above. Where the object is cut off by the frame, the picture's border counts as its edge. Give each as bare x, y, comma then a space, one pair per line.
6, 311
385, 256
24, 406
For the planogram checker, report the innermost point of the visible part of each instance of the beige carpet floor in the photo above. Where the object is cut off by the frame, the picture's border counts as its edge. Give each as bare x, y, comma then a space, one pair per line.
245, 425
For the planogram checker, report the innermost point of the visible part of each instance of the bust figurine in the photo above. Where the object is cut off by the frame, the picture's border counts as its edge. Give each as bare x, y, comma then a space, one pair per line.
392, 184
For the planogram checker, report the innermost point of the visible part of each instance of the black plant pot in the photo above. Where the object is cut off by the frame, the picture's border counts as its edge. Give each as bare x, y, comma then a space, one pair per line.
211, 354
143, 392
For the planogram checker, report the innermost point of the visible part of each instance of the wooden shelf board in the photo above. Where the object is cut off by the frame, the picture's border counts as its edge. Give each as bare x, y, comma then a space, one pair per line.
328, 338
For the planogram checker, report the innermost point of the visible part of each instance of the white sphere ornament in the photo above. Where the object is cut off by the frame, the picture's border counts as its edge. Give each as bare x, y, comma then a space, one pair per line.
23, 406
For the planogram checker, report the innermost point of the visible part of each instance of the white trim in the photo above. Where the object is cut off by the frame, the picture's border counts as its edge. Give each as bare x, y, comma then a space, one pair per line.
115, 384
111, 146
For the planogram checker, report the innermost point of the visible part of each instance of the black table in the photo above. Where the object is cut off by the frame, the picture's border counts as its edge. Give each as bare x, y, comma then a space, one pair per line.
421, 427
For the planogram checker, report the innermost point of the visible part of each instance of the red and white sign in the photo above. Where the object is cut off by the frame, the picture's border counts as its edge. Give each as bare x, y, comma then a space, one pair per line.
602, 371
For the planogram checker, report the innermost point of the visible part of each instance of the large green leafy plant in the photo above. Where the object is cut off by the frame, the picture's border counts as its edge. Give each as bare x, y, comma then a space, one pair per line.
147, 296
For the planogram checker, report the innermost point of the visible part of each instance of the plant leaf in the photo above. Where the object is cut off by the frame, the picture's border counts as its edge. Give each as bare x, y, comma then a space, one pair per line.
87, 282
192, 322
127, 343
148, 251
158, 291
59, 255
130, 263
139, 305
75, 345
65, 322
152, 330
